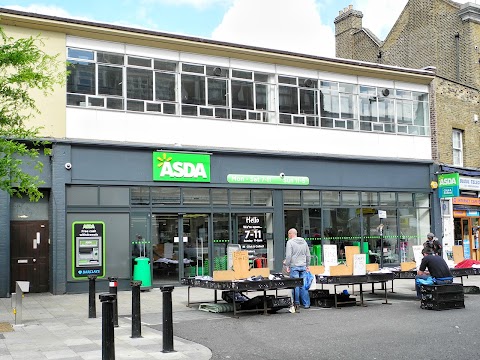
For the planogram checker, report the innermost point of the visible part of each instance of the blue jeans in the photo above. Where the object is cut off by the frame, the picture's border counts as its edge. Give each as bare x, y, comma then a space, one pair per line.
441, 281
417, 285
299, 293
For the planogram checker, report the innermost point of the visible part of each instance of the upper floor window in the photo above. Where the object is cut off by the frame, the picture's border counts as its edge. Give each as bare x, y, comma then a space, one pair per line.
338, 105
203, 88
457, 146
298, 100
135, 83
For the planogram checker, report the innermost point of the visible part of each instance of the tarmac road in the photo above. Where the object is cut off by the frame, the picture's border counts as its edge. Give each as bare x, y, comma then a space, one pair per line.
399, 331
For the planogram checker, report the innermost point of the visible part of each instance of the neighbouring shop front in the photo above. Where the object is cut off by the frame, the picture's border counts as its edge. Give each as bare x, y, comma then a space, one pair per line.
186, 211
460, 208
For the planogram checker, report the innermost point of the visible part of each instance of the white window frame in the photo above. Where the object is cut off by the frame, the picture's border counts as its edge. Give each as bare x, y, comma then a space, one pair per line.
457, 147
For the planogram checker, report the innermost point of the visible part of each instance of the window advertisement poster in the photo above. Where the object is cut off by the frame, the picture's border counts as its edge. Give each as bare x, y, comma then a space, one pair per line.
88, 246
251, 235
466, 249
330, 256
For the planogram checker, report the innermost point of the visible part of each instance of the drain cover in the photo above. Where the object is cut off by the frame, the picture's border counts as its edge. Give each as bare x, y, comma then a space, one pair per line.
5, 327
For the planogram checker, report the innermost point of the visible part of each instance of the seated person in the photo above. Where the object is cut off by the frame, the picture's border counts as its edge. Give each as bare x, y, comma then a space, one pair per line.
437, 269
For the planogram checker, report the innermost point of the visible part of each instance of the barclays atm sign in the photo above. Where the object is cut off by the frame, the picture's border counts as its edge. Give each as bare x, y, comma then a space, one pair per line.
178, 166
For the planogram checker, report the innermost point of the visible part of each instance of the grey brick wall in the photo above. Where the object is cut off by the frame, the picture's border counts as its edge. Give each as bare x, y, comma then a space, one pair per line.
58, 245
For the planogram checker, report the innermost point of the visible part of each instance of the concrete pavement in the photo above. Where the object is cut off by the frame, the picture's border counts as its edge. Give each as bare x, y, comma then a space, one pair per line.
58, 327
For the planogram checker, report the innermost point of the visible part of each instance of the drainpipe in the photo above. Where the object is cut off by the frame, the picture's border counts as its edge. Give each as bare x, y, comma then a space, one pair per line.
457, 55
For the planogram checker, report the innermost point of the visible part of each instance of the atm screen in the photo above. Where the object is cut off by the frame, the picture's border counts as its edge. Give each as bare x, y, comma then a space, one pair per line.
88, 243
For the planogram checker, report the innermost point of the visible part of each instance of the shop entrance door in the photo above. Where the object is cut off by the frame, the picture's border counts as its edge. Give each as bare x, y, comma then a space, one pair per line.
29, 254
179, 246
466, 234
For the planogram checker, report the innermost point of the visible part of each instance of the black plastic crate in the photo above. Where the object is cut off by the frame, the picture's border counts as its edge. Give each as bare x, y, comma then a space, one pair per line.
318, 294
279, 302
447, 288
256, 302
442, 305
229, 295
449, 296
329, 301
273, 303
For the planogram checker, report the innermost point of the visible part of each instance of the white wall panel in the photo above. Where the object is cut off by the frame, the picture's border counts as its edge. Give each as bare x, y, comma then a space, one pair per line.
152, 52
410, 86
251, 65
288, 70
204, 59
323, 75
169, 130
89, 44
375, 82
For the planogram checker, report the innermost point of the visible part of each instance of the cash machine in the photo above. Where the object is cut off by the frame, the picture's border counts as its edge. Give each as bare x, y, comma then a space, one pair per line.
88, 249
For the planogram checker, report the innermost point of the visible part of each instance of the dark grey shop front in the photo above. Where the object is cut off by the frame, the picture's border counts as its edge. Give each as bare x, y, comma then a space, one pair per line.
248, 200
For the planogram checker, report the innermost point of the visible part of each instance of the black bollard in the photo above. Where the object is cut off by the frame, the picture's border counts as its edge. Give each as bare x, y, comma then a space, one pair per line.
136, 320
92, 310
108, 336
113, 289
167, 318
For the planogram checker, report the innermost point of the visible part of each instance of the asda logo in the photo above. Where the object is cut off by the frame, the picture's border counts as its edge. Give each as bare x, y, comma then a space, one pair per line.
186, 167
448, 181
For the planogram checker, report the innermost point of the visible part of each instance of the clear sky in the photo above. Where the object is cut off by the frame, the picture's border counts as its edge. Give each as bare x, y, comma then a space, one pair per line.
304, 26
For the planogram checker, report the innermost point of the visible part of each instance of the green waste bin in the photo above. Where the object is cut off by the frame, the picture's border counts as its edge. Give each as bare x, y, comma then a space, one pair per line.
142, 272
317, 253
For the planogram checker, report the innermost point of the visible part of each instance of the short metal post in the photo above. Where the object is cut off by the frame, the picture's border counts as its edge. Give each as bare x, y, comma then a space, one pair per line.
108, 336
92, 310
167, 318
136, 317
18, 310
113, 289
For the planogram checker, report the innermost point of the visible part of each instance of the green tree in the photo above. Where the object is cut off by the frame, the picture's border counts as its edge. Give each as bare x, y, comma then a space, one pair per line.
24, 66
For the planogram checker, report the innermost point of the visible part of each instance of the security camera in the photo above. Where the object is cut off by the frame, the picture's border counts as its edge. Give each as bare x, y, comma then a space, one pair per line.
282, 175
68, 166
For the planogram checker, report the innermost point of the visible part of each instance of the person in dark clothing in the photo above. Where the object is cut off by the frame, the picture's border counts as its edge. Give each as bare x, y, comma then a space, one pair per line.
433, 244
437, 269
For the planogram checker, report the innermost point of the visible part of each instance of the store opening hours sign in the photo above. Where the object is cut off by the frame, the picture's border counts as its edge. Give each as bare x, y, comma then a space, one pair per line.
251, 233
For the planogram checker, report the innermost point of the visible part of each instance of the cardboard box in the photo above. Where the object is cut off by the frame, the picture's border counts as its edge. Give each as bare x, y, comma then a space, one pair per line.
407, 266
317, 269
340, 270
373, 267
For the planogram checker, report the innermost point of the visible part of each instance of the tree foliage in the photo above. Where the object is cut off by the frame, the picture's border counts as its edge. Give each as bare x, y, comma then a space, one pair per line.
23, 66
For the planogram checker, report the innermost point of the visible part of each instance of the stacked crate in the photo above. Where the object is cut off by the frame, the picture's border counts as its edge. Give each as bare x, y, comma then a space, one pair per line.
442, 297
323, 298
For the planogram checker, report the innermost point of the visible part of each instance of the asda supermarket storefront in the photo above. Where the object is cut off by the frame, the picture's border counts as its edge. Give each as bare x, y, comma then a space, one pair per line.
184, 210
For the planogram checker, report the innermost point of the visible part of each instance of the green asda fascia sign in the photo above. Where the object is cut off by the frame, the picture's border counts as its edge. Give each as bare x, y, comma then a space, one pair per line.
179, 166
448, 185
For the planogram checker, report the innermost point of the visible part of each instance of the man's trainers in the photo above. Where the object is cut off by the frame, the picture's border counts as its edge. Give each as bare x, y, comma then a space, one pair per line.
291, 309
297, 308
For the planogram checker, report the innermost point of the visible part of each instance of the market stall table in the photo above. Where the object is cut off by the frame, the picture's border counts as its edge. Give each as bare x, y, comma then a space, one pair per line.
347, 280
456, 272
245, 285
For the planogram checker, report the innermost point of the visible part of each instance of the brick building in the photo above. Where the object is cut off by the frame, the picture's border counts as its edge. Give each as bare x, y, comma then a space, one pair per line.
444, 36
